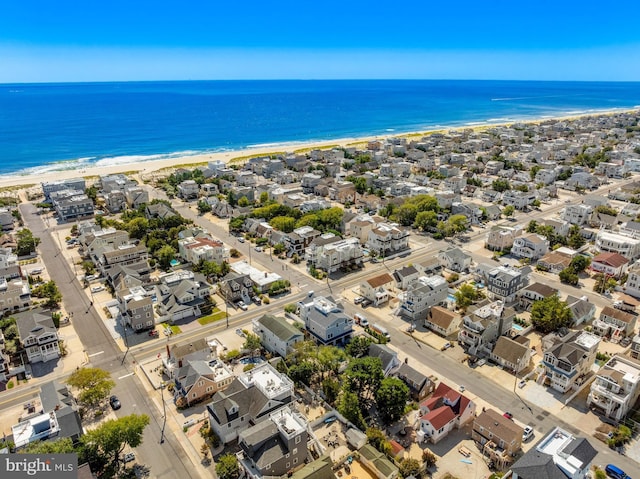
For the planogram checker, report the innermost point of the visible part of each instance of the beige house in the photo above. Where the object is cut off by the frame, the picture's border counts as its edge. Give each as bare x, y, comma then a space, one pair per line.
199, 380
614, 323
497, 437
512, 354
502, 237
377, 289
443, 321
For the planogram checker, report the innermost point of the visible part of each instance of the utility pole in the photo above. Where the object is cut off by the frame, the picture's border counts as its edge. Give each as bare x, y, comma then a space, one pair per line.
164, 412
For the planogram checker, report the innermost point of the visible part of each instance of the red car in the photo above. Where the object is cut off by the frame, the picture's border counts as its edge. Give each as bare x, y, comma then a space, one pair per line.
508, 415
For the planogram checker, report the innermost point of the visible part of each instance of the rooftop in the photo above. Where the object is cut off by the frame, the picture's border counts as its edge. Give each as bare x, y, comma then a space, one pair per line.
267, 380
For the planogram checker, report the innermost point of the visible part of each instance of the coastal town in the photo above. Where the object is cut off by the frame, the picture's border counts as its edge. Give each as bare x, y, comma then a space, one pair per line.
453, 304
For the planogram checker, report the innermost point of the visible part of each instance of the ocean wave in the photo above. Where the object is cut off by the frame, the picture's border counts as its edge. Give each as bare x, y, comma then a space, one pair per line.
63, 165
131, 159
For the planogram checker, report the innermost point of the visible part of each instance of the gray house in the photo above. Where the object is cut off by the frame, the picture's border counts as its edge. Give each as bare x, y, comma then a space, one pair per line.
276, 334
326, 322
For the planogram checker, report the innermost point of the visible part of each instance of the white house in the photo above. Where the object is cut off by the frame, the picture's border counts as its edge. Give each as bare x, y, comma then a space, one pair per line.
616, 387
530, 245
628, 247
445, 410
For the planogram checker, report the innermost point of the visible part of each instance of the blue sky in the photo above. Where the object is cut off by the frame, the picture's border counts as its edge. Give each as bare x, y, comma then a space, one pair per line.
169, 40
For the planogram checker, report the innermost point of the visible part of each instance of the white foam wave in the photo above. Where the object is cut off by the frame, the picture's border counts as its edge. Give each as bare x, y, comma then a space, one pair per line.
130, 159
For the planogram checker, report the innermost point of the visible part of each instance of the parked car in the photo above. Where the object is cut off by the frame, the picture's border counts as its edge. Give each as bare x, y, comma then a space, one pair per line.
240, 333
522, 384
259, 249
128, 457
358, 300
97, 289
361, 320
508, 415
446, 346
615, 472
242, 306
527, 433
240, 239
256, 300
114, 402
461, 388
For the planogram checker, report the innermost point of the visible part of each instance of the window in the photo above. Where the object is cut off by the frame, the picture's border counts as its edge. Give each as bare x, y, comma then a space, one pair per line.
298, 439
287, 456
295, 460
295, 451
288, 465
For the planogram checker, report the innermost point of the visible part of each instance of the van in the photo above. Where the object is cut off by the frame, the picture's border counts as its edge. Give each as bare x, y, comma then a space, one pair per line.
361, 320
615, 472
382, 331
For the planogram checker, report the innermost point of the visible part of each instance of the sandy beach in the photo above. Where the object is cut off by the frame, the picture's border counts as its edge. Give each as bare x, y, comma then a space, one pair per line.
150, 166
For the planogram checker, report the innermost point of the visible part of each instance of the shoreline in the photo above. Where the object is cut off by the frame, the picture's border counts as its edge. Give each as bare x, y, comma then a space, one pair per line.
17, 181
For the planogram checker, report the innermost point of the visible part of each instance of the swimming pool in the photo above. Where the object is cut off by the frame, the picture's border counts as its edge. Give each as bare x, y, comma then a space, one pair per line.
517, 327
451, 298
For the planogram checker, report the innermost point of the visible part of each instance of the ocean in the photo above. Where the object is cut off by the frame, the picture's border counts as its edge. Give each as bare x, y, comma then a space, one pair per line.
45, 127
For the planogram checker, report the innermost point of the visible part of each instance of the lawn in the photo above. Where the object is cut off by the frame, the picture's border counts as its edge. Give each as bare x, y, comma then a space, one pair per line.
174, 329
217, 315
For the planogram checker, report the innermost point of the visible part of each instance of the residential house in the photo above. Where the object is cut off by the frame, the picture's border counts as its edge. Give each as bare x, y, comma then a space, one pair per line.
115, 201
628, 247
557, 456
325, 321
5, 360
405, 275
202, 248
420, 386
455, 259
504, 282
634, 350
188, 190
261, 280
297, 241
331, 253
136, 307
499, 438
386, 239
610, 264
616, 388
577, 214
632, 285
530, 246
72, 206
180, 295
512, 355
581, 309
483, 325
15, 295
48, 187
276, 334
429, 267
235, 287
519, 199
615, 324
388, 357
445, 410
630, 228
421, 294
136, 196
582, 180
568, 359
343, 192
442, 321
534, 292
501, 238
377, 289
129, 254
199, 380
248, 400
180, 354
275, 446
159, 210
377, 462
38, 336
555, 261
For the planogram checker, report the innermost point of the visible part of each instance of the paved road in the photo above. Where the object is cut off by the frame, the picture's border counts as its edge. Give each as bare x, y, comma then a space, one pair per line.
167, 460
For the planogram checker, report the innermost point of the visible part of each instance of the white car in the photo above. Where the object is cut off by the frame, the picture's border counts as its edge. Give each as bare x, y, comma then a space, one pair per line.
522, 384
259, 249
97, 289
128, 457
528, 432
240, 239
242, 306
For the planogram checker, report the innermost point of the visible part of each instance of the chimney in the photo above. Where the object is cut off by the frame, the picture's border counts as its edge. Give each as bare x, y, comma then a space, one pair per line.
265, 274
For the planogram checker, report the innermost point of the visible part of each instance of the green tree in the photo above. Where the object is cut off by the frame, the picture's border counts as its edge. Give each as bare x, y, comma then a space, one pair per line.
204, 207
251, 341
264, 198
391, 399
227, 467
458, 223
59, 446
466, 295
92, 192
286, 224
363, 376
236, 224
569, 276
243, 202
575, 240
331, 389
349, 407
303, 372
500, 185
409, 467
425, 220
508, 210
550, 314
359, 182
231, 199
358, 346
104, 445
428, 458
330, 358
377, 439
278, 249
165, 255
579, 263
94, 384
50, 291
26, 242
137, 227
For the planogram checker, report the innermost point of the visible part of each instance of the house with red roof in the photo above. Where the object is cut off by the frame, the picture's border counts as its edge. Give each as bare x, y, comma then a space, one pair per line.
611, 264
444, 410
